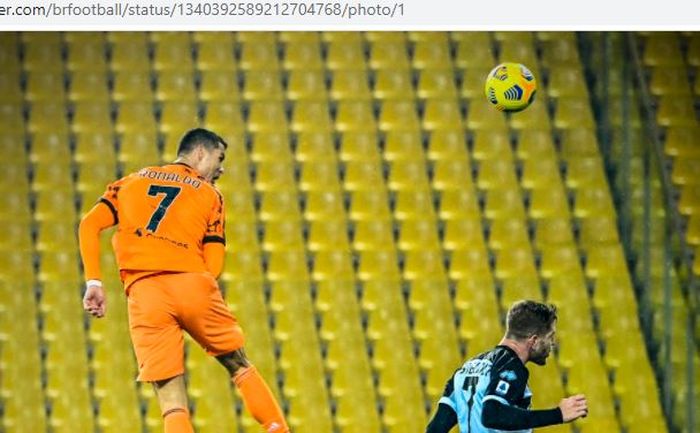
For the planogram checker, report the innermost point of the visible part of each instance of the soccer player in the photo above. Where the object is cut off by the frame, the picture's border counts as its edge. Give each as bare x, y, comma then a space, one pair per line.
169, 246
489, 393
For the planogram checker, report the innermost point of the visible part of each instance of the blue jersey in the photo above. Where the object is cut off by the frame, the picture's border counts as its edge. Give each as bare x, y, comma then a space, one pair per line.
495, 375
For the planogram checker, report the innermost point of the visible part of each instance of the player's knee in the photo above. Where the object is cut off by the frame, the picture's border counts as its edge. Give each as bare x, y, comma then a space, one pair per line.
234, 361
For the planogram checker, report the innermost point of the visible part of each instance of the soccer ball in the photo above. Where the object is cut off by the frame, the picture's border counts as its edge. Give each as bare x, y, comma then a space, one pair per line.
510, 87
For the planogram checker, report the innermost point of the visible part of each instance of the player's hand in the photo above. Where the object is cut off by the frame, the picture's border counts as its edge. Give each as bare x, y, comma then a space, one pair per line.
94, 301
573, 407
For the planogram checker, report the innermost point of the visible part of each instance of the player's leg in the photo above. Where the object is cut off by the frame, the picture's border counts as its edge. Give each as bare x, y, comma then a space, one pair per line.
208, 320
172, 397
257, 396
159, 347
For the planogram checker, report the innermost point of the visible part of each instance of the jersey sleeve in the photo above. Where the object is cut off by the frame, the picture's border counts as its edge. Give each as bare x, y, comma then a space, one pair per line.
215, 223
507, 383
110, 198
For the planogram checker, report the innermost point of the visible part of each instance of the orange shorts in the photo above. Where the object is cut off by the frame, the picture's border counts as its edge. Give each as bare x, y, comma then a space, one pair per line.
162, 306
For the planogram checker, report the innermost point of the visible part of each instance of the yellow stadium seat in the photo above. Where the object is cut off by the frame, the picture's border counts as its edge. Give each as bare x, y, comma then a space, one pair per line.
559, 260
513, 263
175, 85
87, 56
496, 174
44, 117
475, 52
431, 54
473, 82
398, 116
58, 265
372, 235
45, 86
407, 175
323, 205
344, 55
669, 81
9, 54
44, 57
315, 147
130, 56
481, 116
225, 118
311, 116
350, 85
693, 230
242, 235
332, 265
436, 83
682, 142
216, 56
50, 148
491, 146
269, 147
442, 114
423, 264
522, 50
369, 204
388, 55
447, 145
279, 204
676, 111
10, 88
507, 233
328, 235
302, 55
462, 234
585, 172
579, 142
266, 116
138, 149
689, 201
49, 177
567, 82
355, 116
524, 286
287, 265
55, 236
262, 86
593, 202
376, 264
605, 260
14, 205
560, 52
684, 171
92, 117
535, 117
173, 56
573, 112
598, 230
282, 235
452, 174
538, 173
519, 36
359, 146
259, 56
662, 49
132, 86
89, 86
418, 235
414, 204
469, 263
378, 293
319, 176
274, 176
306, 85
174, 114
551, 231
457, 204
535, 143
135, 117
363, 175
393, 84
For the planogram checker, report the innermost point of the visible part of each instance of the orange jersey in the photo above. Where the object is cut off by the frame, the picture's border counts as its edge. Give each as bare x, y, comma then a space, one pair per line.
165, 215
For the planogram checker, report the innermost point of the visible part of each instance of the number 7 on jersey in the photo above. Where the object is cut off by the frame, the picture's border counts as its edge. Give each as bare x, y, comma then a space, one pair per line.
170, 193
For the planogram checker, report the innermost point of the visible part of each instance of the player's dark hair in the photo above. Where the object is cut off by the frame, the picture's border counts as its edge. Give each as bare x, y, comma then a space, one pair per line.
198, 136
527, 318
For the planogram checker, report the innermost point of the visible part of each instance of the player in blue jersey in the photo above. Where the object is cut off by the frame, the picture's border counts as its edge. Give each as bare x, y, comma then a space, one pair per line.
489, 393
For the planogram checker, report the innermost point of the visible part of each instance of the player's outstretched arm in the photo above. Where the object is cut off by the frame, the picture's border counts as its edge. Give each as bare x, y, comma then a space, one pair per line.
97, 219
573, 407
499, 415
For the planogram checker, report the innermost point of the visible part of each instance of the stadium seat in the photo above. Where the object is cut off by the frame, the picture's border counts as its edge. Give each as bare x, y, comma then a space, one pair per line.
359, 146
315, 147
507, 233
516, 262
372, 235
662, 49
441, 114
302, 55
388, 55
475, 51
483, 117
306, 85
323, 205
331, 265
472, 79
345, 55
418, 235
452, 174
676, 111
279, 204
282, 235
262, 86
328, 235
266, 116
320, 176
130, 55
490, 146
174, 114
573, 112
259, 56
407, 175
362, 175
681, 142
215, 56
173, 55
393, 84
367, 204
535, 117
349, 85
175, 86
374, 264
500, 203
44, 57
496, 174
92, 117
540, 173
311, 116
447, 145
560, 51
414, 204
355, 116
